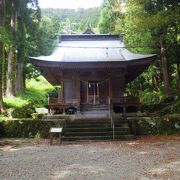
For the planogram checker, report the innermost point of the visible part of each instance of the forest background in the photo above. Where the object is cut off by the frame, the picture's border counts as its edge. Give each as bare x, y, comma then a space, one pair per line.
150, 26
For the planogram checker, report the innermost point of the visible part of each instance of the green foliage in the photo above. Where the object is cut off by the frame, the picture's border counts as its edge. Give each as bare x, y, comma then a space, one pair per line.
25, 129
110, 13
42, 36
171, 108
25, 111
35, 93
73, 21
162, 105
148, 98
159, 126
35, 96
148, 27
38, 137
48, 29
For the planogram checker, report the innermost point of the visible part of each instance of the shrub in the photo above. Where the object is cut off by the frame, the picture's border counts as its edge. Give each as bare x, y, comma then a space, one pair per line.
23, 112
26, 129
162, 125
22, 105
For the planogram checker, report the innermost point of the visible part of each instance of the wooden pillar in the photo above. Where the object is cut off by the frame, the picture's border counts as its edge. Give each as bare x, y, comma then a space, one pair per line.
98, 97
78, 95
110, 89
61, 94
87, 93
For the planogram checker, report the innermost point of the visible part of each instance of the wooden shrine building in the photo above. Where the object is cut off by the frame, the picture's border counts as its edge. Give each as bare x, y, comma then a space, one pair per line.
92, 71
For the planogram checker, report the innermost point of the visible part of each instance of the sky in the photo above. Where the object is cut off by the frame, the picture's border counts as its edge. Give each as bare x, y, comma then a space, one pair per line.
69, 4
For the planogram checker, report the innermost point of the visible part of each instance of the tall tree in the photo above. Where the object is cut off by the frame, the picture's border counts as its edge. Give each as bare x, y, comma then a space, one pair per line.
22, 14
157, 18
2, 3
149, 26
11, 55
110, 12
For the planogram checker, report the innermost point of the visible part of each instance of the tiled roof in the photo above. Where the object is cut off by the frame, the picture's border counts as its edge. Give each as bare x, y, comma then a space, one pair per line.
91, 48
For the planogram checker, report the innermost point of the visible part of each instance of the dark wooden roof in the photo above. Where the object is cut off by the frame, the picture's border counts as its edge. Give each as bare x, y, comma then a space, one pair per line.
91, 48
92, 51
88, 31
88, 37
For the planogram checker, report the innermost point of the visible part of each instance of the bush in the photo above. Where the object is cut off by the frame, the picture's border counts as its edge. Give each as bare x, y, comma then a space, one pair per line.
26, 129
22, 105
23, 112
162, 125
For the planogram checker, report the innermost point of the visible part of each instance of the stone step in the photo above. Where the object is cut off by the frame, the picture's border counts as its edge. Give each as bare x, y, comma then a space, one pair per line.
94, 125
101, 120
93, 109
89, 121
109, 137
87, 124
88, 133
56, 120
97, 133
94, 129
94, 105
58, 117
94, 121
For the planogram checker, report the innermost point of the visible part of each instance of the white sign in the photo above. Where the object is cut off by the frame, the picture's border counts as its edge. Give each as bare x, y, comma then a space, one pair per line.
55, 130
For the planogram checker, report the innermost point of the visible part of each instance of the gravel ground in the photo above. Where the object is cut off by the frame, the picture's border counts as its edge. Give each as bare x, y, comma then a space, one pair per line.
143, 159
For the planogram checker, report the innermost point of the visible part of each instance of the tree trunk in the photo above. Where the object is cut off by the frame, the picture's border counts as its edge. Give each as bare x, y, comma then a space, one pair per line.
178, 75
155, 83
20, 76
1, 91
1, 54
10, 75
10, 91
4, 75
20, 83
165, 70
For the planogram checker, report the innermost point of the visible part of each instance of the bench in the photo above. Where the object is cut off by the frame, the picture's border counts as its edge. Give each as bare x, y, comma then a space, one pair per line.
54, 130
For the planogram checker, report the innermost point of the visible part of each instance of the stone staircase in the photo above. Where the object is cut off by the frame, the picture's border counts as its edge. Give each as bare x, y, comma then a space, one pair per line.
93, 107
96, 129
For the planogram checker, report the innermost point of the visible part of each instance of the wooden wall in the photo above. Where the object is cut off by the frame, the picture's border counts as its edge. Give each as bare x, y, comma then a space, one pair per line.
118, 87
104, 92
83, 92
70, 89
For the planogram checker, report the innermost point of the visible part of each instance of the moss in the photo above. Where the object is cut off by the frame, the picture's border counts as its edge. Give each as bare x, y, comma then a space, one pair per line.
169, 104
26, 129
162, 125
22, 105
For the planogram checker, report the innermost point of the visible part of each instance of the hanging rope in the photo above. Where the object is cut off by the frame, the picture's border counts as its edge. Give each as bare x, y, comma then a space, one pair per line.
97, 82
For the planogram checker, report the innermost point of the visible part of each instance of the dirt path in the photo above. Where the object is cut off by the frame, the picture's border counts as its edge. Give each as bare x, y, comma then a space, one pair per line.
146, 158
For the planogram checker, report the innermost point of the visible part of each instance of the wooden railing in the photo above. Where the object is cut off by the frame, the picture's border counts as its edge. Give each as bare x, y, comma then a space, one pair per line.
128, 103
61, 106
123, 102
56, 101
111, 118
52, 101
127, 100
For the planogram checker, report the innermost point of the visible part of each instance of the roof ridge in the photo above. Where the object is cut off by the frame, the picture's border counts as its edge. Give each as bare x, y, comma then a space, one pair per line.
89, 37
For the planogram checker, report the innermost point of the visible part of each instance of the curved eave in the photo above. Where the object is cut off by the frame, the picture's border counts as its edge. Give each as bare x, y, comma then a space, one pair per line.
133, 67
91, 64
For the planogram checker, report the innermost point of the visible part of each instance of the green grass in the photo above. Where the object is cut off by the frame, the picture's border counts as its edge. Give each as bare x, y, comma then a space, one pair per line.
22, 105
36, 93
5, 118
